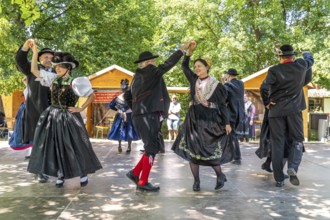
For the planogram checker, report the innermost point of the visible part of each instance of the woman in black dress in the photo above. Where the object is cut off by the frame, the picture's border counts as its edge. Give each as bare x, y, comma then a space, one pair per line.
61, 146
203, 139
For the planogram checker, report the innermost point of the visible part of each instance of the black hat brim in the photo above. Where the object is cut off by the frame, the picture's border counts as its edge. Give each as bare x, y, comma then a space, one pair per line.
74, 63
45, 51
147, 58
289, 53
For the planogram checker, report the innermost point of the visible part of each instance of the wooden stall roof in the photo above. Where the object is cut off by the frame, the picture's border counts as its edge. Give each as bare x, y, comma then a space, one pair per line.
110, 77
253, 81
178, 89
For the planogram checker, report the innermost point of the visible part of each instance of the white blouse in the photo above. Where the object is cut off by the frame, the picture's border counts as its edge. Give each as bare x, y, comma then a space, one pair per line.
81, 86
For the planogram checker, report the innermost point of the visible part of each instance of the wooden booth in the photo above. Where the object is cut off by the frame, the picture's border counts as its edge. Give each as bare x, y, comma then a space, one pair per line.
252, 85
106, 85
11, 104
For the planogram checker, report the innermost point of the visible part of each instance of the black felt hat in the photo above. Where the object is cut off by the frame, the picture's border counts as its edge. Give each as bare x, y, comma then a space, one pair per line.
64, 58
286, 50
146, 55
45, 50
232, 71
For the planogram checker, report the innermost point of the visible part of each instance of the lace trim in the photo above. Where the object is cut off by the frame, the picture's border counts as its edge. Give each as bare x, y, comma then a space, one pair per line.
217, 153
202, 95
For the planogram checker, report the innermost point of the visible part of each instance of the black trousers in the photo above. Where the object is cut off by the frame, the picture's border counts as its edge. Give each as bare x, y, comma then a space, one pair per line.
283, 128
237, 150
148, 127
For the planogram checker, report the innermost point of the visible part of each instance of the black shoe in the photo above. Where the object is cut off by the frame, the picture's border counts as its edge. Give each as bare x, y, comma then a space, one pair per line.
132, 177
142, 151
266, 166
196, 186
128, 150
279, 184
84, 183
27, 157
220, 181
148, 187
42, 178
237, 162
59, 182
293, 177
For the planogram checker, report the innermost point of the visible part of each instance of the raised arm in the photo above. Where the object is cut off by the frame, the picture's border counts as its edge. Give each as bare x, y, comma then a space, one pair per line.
34, 62
22, 62
172, 60
185, 63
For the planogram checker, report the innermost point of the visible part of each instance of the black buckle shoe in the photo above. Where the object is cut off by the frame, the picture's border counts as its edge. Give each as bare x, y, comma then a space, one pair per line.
83, 183
59, 182
196, 186
220, 181
266, 166
42, 178
132, 177
279, 183
293, 177
149, 187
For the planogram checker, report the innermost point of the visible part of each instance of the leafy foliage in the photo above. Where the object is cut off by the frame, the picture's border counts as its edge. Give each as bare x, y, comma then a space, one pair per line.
241, 34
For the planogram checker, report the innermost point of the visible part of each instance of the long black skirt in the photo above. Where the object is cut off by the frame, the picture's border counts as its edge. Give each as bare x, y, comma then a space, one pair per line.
61, 146
203, 139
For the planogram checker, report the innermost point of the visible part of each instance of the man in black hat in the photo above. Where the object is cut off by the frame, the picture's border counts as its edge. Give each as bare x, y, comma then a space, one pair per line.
150, 103
37, 99
286, 103
235, 106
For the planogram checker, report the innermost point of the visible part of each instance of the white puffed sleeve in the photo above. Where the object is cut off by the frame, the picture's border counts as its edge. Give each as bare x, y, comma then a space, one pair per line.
82, 86
46, 78
25, 93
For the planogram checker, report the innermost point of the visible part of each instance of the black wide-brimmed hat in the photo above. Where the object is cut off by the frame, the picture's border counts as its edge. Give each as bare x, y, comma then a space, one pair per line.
232, 71
286, 50
45, 50
64, 58
146, 55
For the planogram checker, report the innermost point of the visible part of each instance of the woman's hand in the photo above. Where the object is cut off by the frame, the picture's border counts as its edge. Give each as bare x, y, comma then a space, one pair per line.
34, 47
74, 109
228, 129
185, 46
192, 47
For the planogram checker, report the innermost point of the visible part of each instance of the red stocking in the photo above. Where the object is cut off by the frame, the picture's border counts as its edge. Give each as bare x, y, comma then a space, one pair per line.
138, 167
147, 164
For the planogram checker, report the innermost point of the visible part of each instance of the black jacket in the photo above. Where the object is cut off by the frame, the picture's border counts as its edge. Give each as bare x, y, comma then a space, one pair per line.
148, 90
235, 101
38, 96
285, 83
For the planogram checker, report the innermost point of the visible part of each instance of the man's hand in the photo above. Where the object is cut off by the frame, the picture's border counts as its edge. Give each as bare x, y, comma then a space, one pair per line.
271, 103
228, 129
28, 44
185, 46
